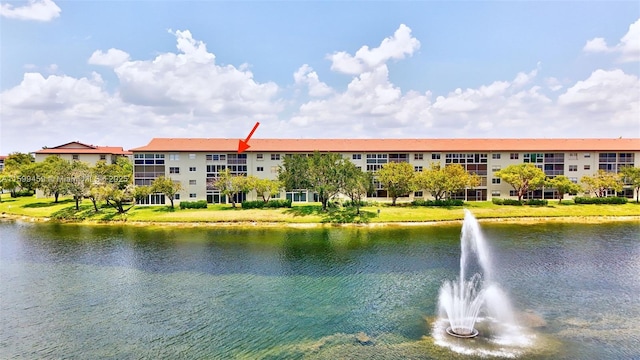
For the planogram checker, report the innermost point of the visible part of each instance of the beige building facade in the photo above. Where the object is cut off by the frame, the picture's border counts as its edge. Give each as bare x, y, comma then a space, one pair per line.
77, 151
196, 163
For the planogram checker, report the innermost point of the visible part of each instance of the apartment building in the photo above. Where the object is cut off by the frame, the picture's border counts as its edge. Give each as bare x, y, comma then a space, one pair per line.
2, 162
197, 162
78, 151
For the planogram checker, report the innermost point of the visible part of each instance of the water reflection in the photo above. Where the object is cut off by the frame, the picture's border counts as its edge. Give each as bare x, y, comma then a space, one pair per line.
122, 292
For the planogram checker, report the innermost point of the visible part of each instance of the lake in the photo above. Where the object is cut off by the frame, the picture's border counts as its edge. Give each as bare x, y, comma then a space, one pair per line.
74, 291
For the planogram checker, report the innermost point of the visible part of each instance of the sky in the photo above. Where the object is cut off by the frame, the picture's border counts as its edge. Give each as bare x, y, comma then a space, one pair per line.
119, 73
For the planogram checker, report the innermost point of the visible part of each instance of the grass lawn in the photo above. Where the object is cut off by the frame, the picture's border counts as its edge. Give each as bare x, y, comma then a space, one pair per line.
304, 213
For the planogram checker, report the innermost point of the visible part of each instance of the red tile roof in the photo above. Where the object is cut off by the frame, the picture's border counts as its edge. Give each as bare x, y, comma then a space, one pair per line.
76, 147
391, 145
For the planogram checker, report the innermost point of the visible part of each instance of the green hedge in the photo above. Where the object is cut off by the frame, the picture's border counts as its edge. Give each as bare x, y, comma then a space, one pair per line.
450, 202
599, 200
537, 202
259, 204
513, 202
363, 203
200, 204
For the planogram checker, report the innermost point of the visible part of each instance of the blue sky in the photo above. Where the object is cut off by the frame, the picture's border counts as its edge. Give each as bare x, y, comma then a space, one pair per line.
446, 69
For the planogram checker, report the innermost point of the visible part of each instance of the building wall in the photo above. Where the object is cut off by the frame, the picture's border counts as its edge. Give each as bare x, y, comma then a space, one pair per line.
192, 166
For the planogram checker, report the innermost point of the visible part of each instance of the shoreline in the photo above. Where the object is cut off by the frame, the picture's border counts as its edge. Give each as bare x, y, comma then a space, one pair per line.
257, 224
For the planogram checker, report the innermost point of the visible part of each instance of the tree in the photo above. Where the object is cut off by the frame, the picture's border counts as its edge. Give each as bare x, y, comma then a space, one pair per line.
79, 181
120, 173
601, 182
323, 173
166, 186
523, 178
357, 183
8, 182
397, 179
440, 181
563, 185
54, 173
326, 175
631, 176
141, 192
14, 165
266, 188
231, 185
116, 197
294, 171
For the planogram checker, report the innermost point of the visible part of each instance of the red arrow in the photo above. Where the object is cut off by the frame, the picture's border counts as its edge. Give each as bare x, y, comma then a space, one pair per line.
243, 145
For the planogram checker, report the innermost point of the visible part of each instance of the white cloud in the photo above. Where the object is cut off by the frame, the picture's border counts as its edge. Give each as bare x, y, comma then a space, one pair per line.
112, 58
628, 48
605, 98
395, 47
185, 93
43, 10
596, 45
306, 76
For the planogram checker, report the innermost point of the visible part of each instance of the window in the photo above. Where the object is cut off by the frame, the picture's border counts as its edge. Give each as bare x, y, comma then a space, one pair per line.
356, 156
192, 182
513, 193
174, 157
192, 156
495, 181
193, 195
495, 156
587, 155
587, 167
514, 156
435, 156
260, 168
534, 158
573, 156
176, 196
417, 168
495, 193
103, 157
418, 194
574, 180
75, 156
495, 168
625, 157
275, 156
573, 167
192, 168
174, 170
259, 157
418, 156
216, 157
274, 169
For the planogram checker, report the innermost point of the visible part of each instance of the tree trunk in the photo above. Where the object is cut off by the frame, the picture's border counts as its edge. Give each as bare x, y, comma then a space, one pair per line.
393, 201
171, 200
95, 206
55, 196
77, 202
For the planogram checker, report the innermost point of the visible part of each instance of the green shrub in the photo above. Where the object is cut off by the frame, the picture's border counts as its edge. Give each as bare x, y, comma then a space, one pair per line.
600, 200
350, 203
200, 204
512, 202
449, 202
259, 204
537, 202
22, 193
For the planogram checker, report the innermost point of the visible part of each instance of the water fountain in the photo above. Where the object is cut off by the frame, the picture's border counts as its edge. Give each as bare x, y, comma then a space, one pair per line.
476, 297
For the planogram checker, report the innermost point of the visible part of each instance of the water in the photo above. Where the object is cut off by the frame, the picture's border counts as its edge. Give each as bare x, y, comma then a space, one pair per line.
125, 292
463, 300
